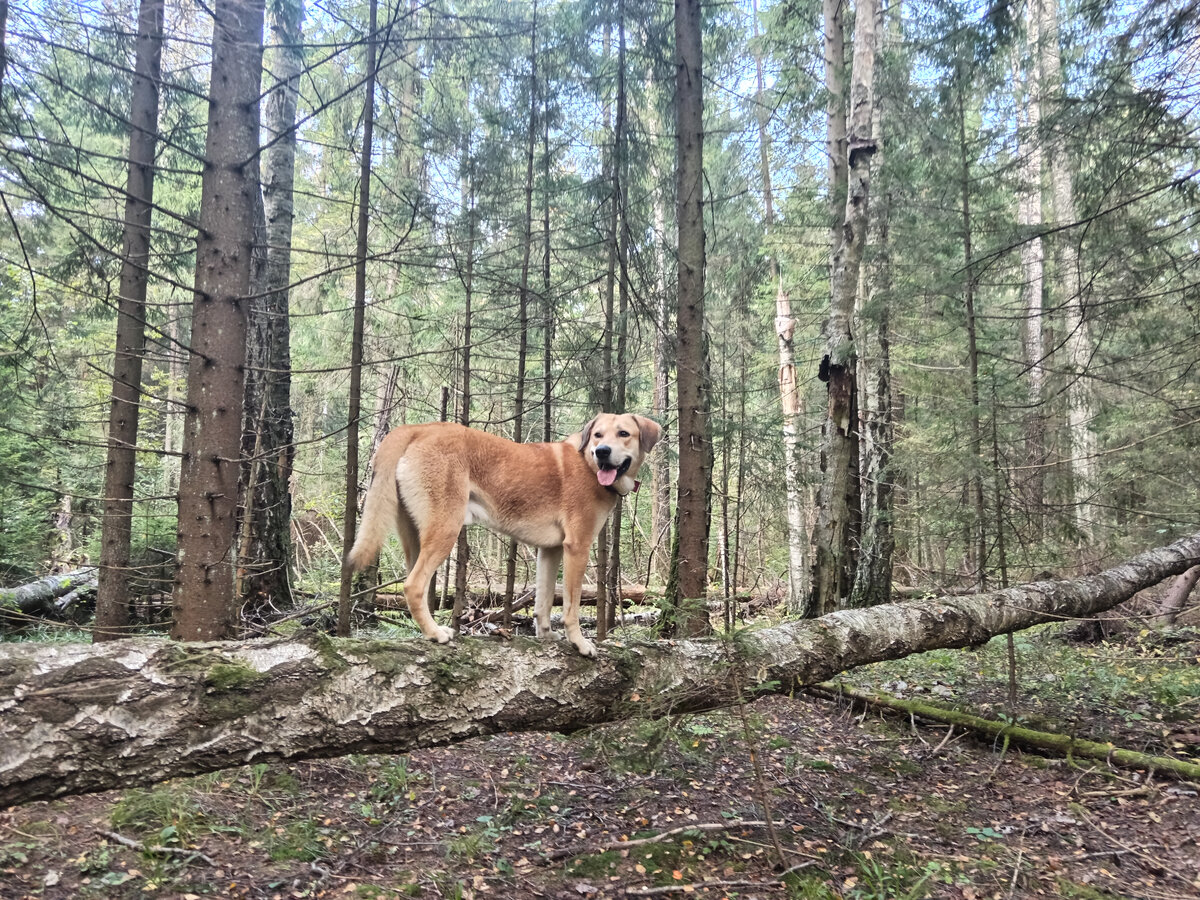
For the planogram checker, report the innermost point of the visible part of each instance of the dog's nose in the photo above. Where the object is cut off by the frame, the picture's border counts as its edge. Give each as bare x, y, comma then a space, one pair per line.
603, 452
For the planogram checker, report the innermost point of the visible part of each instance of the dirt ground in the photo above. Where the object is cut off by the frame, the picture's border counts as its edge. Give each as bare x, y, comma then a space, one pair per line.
864, 805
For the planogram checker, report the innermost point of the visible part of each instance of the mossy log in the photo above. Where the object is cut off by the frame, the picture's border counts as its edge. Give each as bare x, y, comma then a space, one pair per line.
79, 718
1060, 744
36, 597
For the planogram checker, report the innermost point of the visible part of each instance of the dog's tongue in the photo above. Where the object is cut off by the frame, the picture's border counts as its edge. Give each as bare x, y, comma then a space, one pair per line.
606, 476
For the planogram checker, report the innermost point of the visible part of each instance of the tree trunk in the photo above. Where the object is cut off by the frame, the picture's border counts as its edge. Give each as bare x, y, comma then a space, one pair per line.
835, 534
834, 49
356, 333
975, 462
1176, 597
204, 604
1081, 402
1029, 219
620, 379
463, 552
789, 389
265, 553
80, 718
112, 598
660, 465
688, 583
547, 297
3, 39
510, 574
873, 575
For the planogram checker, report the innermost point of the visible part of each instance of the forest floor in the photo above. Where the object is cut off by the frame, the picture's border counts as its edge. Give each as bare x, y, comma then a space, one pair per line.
866, 805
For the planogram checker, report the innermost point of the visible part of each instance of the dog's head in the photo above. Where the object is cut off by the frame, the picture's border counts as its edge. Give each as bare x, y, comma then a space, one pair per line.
614, 446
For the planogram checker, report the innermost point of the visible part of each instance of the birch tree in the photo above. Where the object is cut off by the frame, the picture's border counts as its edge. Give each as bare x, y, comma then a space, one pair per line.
873, 574
265, 548
785, 331
837, 517
80, 718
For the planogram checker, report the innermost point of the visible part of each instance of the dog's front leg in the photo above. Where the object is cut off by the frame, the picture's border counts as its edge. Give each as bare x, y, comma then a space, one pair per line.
549, 559
575, 558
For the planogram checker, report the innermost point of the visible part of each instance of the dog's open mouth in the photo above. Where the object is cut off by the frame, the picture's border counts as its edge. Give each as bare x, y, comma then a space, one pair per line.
607, 474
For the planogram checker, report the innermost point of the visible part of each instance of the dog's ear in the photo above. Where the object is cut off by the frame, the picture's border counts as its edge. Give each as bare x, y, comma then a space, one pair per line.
649, 433
585, 434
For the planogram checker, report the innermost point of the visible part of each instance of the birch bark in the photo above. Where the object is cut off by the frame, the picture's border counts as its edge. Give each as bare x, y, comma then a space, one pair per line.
80, 718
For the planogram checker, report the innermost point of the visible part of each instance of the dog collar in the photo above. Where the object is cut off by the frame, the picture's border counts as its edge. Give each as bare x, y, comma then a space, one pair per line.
633, 490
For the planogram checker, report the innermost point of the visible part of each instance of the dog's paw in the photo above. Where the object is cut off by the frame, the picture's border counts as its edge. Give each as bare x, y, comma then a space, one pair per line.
547, 633
441, 634
585, 647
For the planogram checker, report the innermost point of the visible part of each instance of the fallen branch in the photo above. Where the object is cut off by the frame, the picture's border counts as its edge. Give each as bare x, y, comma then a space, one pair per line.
76, 718
693, 886
1026, 737
705, 827
156, 849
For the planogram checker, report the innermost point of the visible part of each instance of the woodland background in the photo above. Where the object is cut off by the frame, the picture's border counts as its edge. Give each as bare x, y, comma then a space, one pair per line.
913, 288
1024, 330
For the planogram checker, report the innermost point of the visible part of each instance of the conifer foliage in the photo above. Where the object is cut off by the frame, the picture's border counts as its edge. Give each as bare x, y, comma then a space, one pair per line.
911, 288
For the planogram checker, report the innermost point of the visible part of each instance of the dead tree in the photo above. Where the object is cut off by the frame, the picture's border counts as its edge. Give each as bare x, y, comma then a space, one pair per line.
78, 718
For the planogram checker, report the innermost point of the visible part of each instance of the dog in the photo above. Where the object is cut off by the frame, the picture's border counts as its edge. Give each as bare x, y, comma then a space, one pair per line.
432, 479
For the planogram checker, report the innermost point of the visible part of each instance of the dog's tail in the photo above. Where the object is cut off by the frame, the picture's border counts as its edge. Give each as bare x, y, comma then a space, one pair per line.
380, 510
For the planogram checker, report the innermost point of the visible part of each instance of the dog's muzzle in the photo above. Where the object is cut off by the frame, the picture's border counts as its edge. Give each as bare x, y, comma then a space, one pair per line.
607, 473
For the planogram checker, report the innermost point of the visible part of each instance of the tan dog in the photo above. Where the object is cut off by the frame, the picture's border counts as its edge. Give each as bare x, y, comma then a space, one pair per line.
430, 480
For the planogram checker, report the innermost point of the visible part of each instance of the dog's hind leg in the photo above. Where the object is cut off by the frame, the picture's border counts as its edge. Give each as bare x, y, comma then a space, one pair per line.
433, 501
548, 561
436, 543
409, 538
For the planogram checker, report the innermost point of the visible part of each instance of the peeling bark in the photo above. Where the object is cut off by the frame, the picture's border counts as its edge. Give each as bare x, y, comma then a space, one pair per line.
37, 595
80, 718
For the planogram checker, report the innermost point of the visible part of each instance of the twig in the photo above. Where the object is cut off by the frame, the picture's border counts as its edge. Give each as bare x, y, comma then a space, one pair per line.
1154, 864
999, 760
1012, 886
704, 826
166, 851
870, 830
689, 888
756, 764
655, 838
938, 749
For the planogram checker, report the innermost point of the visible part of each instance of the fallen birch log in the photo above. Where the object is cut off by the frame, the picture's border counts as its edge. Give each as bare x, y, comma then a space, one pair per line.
36, 596
79, 718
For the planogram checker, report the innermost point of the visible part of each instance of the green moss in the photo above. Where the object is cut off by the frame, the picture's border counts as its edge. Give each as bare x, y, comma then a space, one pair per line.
458, 669
232, 676
327, 650
595, 865
385, 657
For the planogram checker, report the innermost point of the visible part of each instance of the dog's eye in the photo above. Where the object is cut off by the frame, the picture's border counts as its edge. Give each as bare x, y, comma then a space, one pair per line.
623, 434
598, 434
